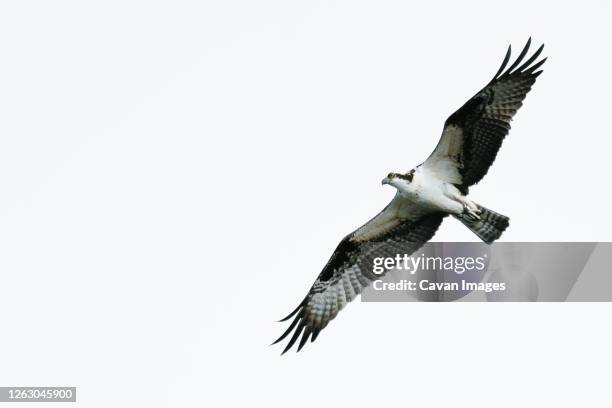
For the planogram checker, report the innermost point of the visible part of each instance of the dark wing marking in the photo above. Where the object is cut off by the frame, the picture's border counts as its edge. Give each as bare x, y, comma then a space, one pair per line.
349, 270
473, 134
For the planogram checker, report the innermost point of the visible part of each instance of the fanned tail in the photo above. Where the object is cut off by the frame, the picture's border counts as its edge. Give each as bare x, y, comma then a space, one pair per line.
489, 227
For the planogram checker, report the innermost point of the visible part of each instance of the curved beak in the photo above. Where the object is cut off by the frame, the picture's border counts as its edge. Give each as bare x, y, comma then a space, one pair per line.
385, 181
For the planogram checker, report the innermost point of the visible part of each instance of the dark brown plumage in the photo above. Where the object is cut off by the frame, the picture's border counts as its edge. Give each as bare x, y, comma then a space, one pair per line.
485, 118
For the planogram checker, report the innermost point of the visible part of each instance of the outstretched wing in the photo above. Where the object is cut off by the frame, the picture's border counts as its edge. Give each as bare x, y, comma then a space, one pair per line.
395, 230
473, 135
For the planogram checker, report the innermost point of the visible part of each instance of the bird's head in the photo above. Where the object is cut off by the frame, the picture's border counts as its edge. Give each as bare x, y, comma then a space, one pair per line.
398, 180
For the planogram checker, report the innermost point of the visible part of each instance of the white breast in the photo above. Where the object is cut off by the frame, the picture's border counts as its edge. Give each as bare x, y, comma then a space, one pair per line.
429, 192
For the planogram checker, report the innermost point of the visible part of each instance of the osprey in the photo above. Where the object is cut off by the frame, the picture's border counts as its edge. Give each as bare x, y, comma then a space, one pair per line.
425, 195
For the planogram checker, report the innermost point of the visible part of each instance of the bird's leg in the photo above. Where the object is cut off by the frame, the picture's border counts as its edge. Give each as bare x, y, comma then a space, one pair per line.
470, 208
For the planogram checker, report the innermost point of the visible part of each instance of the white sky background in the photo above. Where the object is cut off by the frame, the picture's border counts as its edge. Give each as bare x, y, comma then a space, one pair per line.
173, 176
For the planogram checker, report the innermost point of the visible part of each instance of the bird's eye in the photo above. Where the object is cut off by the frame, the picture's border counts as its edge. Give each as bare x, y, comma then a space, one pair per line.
390, 175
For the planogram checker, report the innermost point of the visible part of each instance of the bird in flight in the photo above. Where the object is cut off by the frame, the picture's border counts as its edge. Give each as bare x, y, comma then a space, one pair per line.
425, 195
